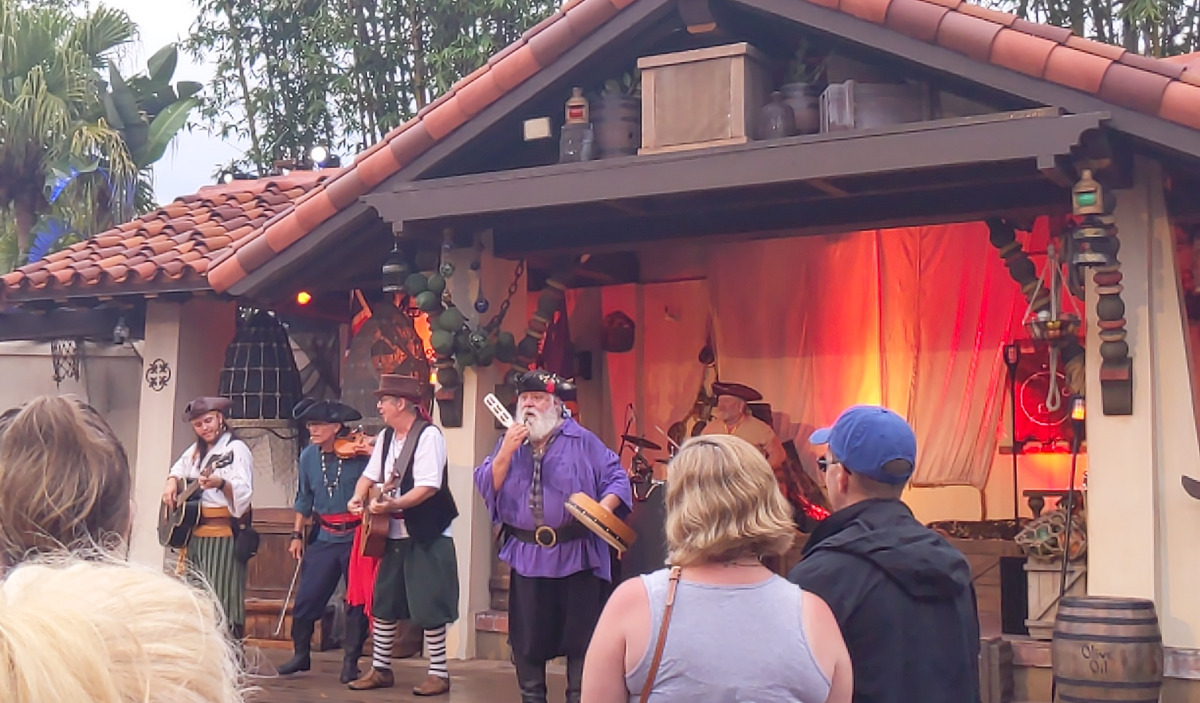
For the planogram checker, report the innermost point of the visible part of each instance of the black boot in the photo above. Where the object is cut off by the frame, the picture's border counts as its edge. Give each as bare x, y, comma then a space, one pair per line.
302, 632
531, 678
574, 679
356, 637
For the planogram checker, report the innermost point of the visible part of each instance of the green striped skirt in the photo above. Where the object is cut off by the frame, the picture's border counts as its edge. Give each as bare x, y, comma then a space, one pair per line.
211, 561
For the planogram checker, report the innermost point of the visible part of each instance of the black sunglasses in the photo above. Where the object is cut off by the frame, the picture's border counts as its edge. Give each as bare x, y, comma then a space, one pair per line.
823, 463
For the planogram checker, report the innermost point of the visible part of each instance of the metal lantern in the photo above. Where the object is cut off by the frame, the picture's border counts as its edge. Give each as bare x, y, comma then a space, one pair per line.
395, 271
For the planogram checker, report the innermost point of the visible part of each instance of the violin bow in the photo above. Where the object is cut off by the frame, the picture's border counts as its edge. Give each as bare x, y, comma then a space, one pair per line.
288, 599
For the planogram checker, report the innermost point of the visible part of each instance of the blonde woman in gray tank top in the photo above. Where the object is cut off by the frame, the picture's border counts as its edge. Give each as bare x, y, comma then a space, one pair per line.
737, 633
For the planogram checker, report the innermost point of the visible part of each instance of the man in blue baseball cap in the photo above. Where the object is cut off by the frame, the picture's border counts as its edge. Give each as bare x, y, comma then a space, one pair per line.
901, 594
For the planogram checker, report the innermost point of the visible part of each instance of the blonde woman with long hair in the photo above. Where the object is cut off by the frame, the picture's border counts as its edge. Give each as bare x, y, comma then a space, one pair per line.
102, 631
735, 631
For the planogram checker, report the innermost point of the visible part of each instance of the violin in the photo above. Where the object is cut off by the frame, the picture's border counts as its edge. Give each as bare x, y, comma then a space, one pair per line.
355, 444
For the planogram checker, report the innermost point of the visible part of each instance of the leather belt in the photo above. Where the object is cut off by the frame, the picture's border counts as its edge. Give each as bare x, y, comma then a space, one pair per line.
546, 536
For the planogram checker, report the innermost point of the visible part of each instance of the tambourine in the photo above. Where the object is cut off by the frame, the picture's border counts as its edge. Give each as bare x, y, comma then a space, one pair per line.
599, 520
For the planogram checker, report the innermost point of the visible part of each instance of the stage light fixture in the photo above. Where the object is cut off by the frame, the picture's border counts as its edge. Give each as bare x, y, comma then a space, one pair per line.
303, 297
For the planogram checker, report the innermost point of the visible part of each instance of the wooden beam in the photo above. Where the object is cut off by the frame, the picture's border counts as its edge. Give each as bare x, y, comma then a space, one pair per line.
949, 205
921, 146
95, 324
698, 16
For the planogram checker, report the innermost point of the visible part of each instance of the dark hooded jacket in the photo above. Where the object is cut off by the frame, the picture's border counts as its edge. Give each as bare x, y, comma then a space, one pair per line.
904, 600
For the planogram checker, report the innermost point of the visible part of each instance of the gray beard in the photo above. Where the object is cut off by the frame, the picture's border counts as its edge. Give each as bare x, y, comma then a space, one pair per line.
541, 426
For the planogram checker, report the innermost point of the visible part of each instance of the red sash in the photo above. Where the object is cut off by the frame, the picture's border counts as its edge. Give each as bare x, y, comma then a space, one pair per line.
360, 583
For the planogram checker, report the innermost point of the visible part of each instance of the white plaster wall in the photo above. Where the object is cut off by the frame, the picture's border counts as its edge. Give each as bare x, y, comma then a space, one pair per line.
108, 382
1141, 525
469, 445
191, 337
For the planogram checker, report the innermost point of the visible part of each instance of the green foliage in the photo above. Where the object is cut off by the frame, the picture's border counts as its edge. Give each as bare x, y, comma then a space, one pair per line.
77, 139
1148, 27
292, 74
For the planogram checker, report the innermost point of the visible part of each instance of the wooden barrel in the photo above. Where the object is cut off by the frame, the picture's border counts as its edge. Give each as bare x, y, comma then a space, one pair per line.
617, 123
1107, 650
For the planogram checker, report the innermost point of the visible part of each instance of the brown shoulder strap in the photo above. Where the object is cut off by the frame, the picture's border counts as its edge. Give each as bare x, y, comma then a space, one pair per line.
662, 634
404, 460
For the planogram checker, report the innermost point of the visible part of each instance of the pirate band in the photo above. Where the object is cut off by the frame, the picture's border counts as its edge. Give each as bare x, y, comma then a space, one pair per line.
562, 572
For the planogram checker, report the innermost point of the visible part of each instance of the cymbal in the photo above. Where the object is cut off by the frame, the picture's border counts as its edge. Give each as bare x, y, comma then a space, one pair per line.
662, 461
640, 442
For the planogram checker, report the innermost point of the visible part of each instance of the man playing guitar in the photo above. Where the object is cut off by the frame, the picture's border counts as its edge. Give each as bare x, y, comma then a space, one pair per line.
418, 575
227, 490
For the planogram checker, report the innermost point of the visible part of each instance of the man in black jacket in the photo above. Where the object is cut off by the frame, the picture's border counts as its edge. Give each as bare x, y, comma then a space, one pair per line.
901, 594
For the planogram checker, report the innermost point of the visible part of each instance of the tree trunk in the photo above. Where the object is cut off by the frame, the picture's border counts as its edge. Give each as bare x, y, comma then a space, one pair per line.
26, 219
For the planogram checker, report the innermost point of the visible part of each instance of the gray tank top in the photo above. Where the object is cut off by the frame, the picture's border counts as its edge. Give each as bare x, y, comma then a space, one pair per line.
729, 644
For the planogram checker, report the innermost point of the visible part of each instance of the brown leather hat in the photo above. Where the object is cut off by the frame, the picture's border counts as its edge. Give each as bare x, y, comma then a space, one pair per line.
206, 404
736, 390
402, 387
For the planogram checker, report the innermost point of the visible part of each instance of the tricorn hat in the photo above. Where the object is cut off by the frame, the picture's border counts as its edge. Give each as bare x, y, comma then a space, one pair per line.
206, 404
736, 390
328, 411
402, 387
541, 381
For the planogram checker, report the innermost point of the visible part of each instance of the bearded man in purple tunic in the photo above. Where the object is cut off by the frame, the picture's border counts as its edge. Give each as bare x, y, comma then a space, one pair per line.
561, 573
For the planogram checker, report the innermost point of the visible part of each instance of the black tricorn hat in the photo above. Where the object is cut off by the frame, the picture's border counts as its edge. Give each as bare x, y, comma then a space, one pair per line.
330, 411
541, 381
206, 404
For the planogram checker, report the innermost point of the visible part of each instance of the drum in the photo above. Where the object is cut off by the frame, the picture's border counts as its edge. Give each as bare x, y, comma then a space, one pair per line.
649, 520
599, 520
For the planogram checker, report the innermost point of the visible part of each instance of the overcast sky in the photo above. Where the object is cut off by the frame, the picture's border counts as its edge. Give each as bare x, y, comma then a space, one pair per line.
190, 161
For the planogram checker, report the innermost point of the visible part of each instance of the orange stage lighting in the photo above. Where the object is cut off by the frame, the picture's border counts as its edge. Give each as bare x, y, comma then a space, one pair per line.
303, 298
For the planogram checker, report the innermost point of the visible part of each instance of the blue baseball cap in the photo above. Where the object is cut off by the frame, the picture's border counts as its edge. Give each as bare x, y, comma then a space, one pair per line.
865, 437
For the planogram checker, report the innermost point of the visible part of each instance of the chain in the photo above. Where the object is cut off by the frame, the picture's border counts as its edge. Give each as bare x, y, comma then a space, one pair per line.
498, 320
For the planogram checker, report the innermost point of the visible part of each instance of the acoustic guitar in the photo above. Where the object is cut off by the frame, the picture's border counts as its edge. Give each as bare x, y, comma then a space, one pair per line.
175, 525
374, 527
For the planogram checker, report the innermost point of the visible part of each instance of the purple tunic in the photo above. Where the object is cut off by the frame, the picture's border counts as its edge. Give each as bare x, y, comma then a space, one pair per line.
576, 461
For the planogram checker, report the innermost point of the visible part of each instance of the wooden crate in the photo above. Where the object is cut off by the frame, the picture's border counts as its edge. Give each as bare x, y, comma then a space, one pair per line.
1045, 579
995, 670
702, 98
984, 557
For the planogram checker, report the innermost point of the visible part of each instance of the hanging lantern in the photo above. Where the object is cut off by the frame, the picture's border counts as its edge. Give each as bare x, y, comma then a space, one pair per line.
395, 271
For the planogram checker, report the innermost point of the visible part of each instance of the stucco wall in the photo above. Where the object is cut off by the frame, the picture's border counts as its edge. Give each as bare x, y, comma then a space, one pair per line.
108, 381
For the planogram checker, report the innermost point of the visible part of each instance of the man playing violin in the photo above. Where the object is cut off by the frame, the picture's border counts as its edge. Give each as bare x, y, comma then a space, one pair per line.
329, 470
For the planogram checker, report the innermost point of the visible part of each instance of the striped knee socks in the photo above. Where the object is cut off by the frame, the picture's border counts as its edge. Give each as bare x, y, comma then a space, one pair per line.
381, 643
435, 642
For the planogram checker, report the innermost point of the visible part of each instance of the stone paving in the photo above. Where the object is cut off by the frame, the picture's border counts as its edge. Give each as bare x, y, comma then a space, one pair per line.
470, 682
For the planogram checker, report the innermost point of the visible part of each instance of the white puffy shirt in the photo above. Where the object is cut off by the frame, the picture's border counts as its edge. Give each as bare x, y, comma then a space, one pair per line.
239, 475
428, 462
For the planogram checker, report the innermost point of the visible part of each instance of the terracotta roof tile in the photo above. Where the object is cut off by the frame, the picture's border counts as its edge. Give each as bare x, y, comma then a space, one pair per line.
1170, 90
1133, 88
549, 43
587, 15
1076, 69
987, 13
870, 10
1058, 35
1181, 103
1162, 68
915, 18
1021, 52
163, 241
968, 35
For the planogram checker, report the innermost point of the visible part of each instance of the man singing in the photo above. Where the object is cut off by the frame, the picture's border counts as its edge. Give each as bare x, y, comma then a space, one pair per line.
561, 572
418, 575
326, 486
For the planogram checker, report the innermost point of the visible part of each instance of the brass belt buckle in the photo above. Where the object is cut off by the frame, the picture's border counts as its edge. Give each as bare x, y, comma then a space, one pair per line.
545, 536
